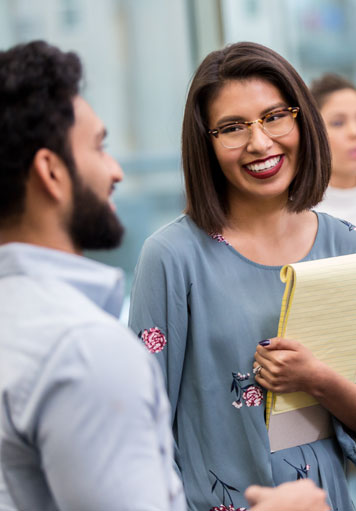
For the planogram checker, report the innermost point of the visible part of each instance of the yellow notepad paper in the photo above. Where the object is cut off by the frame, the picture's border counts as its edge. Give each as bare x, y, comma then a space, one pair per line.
319, 310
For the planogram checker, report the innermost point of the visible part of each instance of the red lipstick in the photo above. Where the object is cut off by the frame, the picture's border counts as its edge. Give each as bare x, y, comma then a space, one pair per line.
265, 174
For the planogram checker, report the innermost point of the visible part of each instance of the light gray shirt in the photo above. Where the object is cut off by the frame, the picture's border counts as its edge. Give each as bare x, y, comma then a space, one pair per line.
84, 418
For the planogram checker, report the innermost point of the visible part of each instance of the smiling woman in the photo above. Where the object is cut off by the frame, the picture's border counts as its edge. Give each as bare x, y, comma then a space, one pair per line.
261, 153
256, 160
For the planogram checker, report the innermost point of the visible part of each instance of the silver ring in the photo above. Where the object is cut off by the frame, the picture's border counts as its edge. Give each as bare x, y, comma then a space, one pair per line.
256, 370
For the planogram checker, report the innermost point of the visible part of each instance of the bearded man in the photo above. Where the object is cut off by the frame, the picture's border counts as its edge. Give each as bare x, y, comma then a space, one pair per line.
85, 423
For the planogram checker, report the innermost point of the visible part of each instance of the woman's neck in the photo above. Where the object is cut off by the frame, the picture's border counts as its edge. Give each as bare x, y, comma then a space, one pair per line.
254, 217
268, 233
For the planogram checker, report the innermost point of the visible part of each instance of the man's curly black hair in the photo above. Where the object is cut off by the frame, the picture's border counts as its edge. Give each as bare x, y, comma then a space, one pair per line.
37, 85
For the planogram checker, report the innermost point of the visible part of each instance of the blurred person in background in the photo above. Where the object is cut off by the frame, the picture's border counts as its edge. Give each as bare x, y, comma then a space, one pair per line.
207, 286
336, 98
84, 415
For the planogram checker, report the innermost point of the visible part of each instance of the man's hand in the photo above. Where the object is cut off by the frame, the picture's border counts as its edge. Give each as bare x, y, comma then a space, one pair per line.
300, 495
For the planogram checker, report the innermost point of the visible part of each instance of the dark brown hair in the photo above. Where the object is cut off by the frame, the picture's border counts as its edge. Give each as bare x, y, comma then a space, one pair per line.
206, 186
37, 85
328, 83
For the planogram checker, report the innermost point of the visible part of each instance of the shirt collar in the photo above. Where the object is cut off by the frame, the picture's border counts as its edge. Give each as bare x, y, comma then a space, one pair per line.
102, 284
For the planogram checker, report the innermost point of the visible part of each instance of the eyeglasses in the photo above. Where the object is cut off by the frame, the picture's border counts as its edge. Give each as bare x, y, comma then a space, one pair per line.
274, 124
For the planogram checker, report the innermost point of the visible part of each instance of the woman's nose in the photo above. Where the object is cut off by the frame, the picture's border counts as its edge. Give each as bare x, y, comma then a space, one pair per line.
259, 141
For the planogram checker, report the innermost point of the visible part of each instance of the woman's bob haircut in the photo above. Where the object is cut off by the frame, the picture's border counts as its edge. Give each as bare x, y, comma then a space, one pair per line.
206, 186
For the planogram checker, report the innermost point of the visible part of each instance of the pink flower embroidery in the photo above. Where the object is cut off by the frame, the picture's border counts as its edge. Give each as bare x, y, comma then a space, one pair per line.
237, 404
253, 396
154, 339
219, 237
227, 508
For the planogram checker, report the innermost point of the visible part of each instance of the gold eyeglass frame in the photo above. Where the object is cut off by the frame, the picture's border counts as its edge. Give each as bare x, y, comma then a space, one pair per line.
293, 109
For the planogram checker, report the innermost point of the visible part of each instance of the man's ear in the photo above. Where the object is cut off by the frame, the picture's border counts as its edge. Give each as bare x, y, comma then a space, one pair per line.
51, 173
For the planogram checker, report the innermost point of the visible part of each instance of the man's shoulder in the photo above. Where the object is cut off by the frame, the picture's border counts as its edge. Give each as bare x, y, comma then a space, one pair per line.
46, 299
60, 311
105, 347
77, 344
57, 323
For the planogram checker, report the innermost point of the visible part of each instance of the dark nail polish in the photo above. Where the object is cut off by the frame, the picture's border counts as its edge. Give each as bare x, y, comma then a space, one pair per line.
265, 342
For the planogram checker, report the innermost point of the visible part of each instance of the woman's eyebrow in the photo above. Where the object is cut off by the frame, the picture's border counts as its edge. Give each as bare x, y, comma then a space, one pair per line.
238, 118
281, 104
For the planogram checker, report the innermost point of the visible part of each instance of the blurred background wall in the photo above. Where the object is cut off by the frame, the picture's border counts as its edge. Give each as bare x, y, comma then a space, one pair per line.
139, 56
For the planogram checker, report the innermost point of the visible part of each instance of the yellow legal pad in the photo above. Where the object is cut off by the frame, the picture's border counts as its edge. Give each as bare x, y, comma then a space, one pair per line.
319, 310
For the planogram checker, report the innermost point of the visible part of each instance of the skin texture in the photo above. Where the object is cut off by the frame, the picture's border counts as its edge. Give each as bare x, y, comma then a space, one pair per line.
339, 114
301, 495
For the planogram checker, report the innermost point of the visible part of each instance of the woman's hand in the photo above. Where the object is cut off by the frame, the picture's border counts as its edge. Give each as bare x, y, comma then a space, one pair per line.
300, 495
285, 365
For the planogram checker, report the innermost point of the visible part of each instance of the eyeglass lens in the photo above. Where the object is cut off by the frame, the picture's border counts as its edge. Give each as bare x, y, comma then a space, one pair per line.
275, 125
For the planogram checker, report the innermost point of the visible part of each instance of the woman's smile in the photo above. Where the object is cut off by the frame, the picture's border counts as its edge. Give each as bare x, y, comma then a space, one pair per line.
263, 169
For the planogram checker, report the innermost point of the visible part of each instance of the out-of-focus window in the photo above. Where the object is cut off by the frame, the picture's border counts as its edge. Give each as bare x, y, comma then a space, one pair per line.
139, 57
314, 35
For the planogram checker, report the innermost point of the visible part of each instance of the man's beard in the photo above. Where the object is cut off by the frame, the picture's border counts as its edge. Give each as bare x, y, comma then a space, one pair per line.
93, 225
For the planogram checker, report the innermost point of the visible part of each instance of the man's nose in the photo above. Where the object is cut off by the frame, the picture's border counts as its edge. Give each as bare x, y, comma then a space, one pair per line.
116, 170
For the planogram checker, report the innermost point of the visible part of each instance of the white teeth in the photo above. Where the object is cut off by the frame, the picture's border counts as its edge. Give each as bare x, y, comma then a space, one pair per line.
265, 165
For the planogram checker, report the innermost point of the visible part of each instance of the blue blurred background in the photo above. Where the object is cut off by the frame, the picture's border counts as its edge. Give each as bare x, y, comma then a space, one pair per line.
139, 56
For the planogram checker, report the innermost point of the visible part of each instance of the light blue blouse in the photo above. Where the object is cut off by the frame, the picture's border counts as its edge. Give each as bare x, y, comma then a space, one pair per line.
202, 308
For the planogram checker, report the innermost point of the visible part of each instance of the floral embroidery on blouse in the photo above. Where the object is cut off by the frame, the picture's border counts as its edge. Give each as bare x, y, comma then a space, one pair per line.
226, 489
154, 339
350, 226
302, 472
218, 237
228, 508
251, 394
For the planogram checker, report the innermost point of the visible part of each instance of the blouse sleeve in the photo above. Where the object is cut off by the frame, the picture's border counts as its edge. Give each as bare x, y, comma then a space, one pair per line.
159, 312
347, 440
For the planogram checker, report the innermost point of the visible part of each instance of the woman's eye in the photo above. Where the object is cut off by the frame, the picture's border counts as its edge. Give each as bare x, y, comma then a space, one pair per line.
336, 124
276, 117
232, 128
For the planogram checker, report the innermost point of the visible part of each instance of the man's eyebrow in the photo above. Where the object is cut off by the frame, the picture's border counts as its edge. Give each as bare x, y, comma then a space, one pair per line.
238, 118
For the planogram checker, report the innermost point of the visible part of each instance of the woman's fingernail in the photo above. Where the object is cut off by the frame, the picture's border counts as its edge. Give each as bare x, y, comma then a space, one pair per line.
265, 342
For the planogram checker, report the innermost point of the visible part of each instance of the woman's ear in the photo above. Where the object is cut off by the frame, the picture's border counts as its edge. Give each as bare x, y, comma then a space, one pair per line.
50, 173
